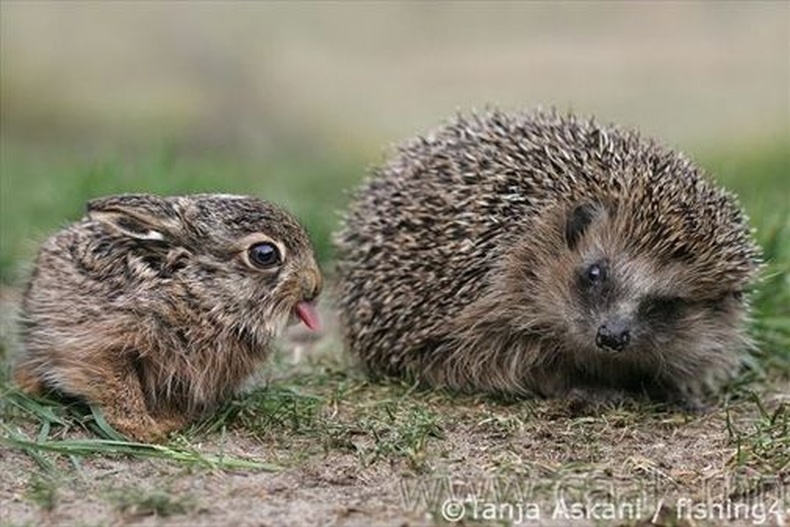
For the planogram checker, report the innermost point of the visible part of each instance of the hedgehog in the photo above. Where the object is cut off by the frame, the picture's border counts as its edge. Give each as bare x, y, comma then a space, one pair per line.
536, 254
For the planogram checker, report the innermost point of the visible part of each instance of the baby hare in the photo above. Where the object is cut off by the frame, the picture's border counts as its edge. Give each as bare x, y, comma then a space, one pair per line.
156, 309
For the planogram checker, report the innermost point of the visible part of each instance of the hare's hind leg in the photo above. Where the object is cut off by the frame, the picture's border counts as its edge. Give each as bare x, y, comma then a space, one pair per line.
28, 379
120, 397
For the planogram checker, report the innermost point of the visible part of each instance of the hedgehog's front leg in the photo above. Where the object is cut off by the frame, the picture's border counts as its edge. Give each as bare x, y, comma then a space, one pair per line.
677, 396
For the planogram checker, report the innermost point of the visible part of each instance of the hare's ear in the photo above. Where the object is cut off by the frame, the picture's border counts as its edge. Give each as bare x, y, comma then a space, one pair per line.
140, 216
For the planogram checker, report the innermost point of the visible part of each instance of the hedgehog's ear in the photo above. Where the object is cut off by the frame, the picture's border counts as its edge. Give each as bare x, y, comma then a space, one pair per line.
579, 218
140, 216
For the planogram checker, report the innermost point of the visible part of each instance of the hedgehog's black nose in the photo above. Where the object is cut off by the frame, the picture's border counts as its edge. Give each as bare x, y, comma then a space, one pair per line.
614, 336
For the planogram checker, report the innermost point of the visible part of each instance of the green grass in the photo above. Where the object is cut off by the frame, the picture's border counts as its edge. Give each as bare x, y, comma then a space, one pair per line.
41, 192
340, 412
42, 491
759, 175
763, 445
45, 490
134, 502
761, 179
53, 421
321, 408
771, 317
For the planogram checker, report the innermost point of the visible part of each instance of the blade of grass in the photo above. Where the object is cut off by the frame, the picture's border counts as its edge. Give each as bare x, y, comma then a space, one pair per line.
88, 447
29, 405
103, 426
41, 460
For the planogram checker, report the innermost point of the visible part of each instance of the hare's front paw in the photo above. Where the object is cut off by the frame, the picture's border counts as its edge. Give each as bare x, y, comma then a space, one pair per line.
147, 429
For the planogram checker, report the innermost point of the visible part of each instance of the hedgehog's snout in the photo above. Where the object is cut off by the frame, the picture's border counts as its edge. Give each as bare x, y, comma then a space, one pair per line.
613, 335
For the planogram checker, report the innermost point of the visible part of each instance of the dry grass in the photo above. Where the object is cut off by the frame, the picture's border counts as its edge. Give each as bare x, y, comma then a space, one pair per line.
317, 436
362, 453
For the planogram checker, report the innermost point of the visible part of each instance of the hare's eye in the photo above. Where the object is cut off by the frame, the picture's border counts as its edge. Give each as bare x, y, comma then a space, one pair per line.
264, 254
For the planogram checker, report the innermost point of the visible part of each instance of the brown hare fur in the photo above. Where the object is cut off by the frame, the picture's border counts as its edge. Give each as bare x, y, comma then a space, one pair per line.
156, 309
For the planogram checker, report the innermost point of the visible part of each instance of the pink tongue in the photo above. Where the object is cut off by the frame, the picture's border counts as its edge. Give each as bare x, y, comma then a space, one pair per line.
308, 314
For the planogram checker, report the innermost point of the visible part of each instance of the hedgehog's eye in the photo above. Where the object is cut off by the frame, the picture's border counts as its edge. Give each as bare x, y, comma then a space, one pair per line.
595, 273
264, 255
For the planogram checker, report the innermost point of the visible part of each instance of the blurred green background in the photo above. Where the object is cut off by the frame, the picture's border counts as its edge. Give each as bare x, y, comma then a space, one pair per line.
294, 102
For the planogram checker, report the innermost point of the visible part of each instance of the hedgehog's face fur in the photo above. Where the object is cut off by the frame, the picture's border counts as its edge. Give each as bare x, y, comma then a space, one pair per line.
589, 287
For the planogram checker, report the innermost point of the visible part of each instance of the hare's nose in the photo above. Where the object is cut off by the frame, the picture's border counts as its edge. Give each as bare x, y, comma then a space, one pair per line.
312, 283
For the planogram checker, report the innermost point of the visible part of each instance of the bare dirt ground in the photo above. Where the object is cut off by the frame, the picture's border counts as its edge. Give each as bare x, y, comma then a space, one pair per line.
351, 453
348, 452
